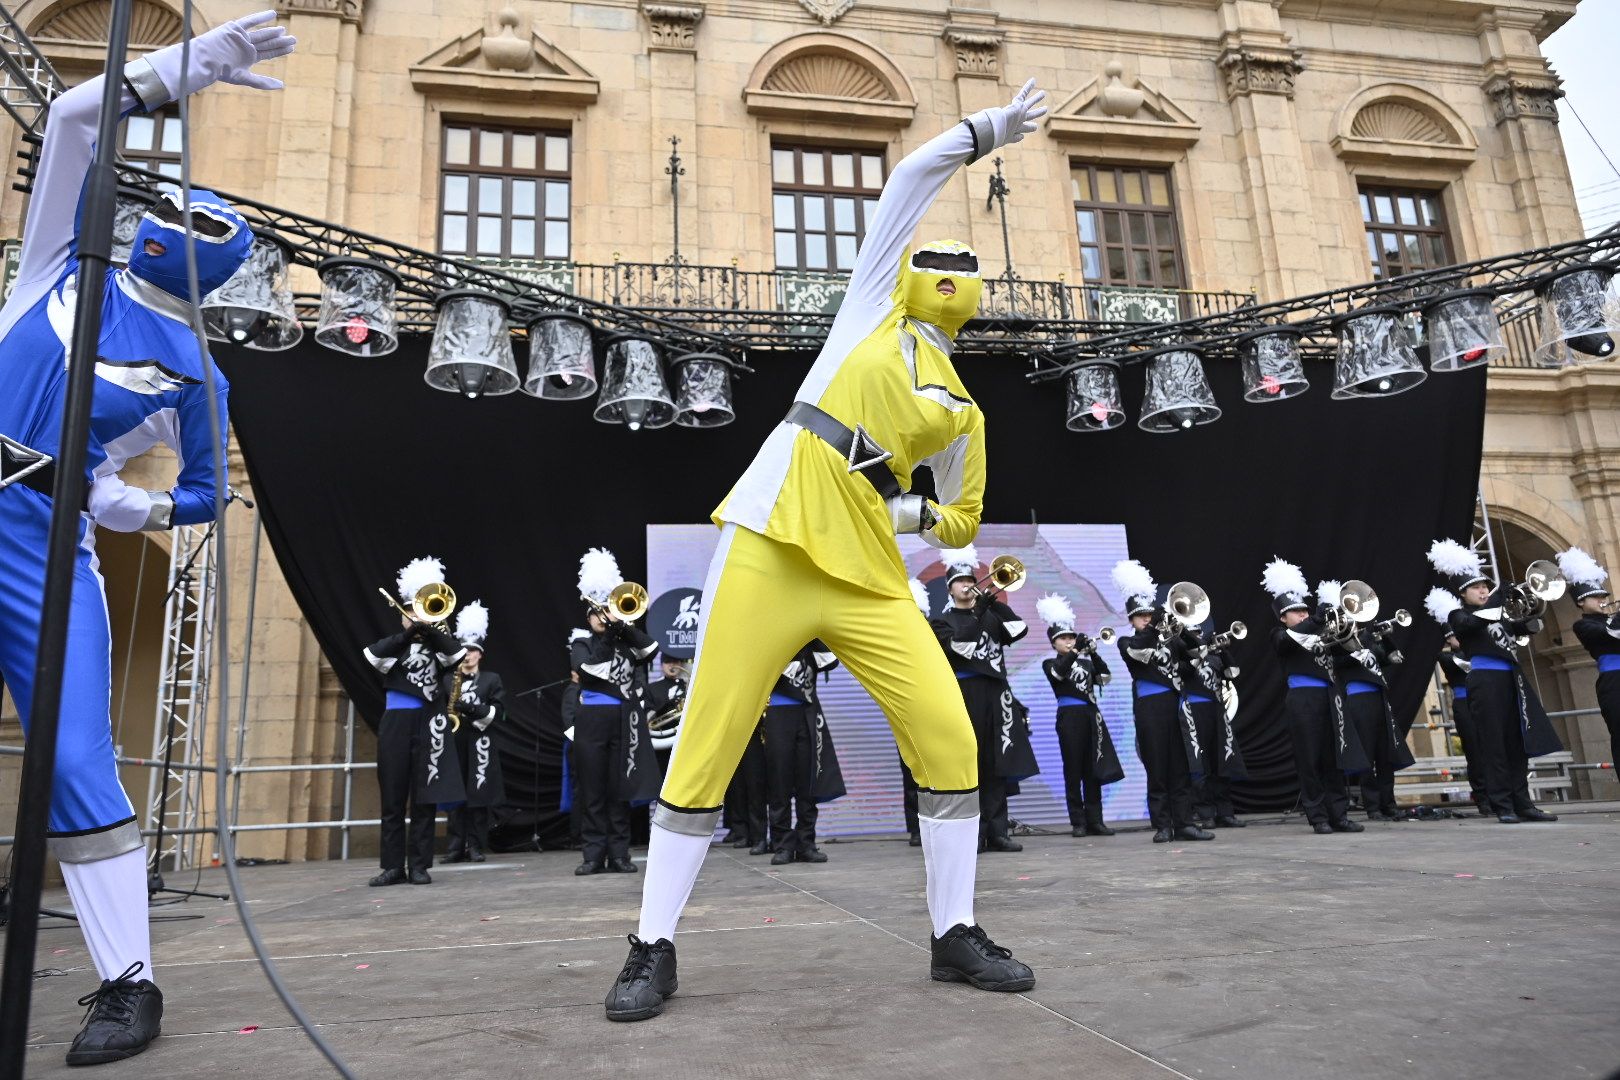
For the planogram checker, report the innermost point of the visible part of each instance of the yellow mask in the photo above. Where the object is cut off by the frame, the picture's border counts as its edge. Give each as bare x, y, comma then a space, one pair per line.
917, 293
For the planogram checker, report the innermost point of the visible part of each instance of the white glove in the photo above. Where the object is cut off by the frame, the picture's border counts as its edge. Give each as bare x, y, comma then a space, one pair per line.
483, 724
226, 53
998, 127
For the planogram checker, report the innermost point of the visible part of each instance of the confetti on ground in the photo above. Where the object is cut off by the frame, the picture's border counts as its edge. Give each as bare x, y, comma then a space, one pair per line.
361, 967
58, 952
1462, 875
1023, 877
250, 1029
769, 919
489, 918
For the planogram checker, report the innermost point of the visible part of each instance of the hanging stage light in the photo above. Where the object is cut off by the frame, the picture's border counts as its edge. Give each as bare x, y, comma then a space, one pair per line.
1178, 396
562, 357
1376, 357
471, 352
703, 390
634, 392
1580, 310
357, 307
1095, 403
1273, 369
255, 307
1464, 331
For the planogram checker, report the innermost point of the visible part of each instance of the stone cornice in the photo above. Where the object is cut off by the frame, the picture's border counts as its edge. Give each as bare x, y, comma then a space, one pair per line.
673, 27
978, 51
1523, 97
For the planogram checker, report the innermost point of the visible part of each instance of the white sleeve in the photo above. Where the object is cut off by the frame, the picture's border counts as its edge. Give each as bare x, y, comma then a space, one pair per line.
384, 664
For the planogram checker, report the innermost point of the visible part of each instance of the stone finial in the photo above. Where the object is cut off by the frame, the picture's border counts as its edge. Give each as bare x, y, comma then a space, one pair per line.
506, 51
1259, 70
1117, 99
673, 27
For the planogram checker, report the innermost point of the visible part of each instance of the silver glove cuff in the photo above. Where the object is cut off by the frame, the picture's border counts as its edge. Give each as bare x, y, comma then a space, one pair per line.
907, 513
161, 516
984, 135
143, 81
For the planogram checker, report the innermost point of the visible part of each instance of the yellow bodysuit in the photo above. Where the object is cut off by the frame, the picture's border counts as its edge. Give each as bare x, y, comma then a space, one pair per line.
808, 548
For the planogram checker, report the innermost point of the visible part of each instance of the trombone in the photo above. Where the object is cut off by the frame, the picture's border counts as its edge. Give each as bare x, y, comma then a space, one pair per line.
432, 604
1007, 574
626, 603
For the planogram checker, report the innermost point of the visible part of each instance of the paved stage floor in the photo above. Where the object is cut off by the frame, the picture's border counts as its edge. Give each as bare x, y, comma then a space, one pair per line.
1418, 949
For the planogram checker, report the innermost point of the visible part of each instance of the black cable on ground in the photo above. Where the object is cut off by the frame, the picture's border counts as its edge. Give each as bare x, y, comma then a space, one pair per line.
216, 422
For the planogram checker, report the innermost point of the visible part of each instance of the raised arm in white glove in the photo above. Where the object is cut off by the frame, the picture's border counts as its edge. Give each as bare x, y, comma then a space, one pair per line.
1006, 124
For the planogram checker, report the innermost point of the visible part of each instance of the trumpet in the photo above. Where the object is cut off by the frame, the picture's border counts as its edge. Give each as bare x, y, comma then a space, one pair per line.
1105, 636
626, 603
1007, 574
1543, 583
1236, 632
433, 603
1383, 629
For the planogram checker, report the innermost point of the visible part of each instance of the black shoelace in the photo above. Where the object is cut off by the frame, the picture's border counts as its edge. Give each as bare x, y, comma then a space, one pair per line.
987, 946
112, 1000
640, 963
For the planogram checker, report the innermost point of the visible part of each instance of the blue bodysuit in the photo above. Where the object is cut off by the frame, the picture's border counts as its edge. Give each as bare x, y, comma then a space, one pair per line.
149, 389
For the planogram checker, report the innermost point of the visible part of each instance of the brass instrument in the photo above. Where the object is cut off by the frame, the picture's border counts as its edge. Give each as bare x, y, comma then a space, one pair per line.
455, 696
1357, 605
1383, 629
1105, 636
1236, 632
1185, 606
1543, 583
626, 603
433, 603
669, 716
1007, 574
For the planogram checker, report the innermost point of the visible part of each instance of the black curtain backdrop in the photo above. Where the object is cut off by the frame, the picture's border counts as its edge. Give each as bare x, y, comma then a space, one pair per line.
359, 466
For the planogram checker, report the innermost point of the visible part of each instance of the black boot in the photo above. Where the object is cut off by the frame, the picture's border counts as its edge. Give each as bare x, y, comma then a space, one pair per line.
1003, 843
122, 1018
1228, 821
648, 977
1193, 832
1535, 813
455, 855
966, 954
812, 854
475, 853
587, 868
1163, 836
396, 876
420, 876
622, 866
1322, 828
1509, 819
782, 858
1097, 828
1078, 830
914, 840
760, 848
1344, 824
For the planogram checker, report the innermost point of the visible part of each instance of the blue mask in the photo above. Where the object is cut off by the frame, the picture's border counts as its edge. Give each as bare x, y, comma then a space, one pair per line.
223, 243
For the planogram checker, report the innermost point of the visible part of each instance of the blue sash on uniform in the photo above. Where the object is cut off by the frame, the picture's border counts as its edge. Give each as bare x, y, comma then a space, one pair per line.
1490, 663
1200, 699
1356, 686
399, 699
786, 699
1064, 699
1306, 682
596, 697
1148, 689
1459, 691
1609, 662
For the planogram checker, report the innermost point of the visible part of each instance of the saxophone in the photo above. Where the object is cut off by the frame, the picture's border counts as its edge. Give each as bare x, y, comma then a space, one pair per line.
455, 697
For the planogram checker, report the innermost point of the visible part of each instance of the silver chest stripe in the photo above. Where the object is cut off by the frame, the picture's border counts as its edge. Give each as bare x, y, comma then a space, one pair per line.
154, 299
937, 394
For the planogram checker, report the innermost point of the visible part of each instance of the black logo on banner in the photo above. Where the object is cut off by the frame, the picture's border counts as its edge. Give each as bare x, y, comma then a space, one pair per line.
673, 622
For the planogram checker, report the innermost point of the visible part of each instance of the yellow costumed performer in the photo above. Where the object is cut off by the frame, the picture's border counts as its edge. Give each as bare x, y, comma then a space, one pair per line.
807, 550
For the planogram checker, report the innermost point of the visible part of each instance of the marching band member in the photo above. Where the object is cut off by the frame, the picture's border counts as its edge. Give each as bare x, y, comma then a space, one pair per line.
974, 630
1598, 630
665, 699
150, 387
1077, 673
1513, 727
1454, 669
1203, 671
745, 796
480, 702
1362, 689
411, 736
1312, 724
801, 766
612, 747
807, 550
1165, 742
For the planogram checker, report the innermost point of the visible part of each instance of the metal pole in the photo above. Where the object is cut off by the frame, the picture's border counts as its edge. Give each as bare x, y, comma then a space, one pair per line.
247, 666
67, 499
348, 775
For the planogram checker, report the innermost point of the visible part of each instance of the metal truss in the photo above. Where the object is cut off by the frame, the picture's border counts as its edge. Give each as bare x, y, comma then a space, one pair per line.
174, 795
1216, 335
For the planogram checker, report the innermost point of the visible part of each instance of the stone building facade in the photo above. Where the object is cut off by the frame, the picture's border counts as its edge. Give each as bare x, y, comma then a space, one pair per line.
1273, 147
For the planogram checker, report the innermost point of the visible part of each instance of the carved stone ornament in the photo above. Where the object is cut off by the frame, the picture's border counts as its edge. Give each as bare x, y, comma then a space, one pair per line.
672, 27
1515, 98
827, 12
1251, 70
1117, 99
978, 51
347, 10
505, 51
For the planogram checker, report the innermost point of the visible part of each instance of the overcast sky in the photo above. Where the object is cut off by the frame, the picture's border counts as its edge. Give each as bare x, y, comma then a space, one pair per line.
1586, 54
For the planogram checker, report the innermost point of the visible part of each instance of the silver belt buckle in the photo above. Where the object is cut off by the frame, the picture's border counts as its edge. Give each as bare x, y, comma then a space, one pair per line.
18, 461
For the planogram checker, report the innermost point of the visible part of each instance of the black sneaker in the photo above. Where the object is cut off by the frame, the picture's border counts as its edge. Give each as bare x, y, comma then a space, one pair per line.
1344, 824
648, 978
121, 1019
1536, 814
396, 876
1193, 832
966, 954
